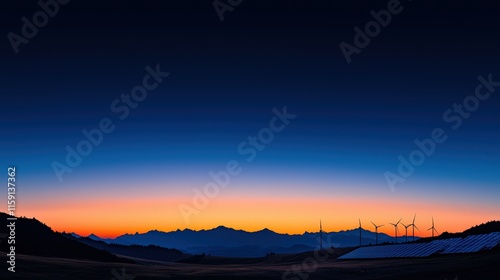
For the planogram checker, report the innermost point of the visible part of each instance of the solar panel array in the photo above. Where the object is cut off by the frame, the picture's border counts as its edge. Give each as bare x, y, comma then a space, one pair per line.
392, 251
474, 243
469, 244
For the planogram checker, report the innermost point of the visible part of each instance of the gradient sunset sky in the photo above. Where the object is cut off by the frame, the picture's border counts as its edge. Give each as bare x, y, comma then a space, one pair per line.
353, 120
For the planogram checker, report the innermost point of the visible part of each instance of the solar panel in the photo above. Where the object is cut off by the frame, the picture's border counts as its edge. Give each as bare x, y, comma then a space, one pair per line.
392, 251
469, 244
474, 243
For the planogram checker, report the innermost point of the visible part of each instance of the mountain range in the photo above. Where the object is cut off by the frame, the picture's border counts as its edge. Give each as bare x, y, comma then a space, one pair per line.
180, 245
229, 242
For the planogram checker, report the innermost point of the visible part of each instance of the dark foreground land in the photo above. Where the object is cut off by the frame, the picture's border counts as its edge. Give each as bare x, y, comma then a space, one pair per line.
484, 265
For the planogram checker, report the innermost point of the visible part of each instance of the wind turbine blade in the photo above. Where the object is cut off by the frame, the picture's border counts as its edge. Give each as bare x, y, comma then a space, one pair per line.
399, 221
414, 217
373, 224
416, 227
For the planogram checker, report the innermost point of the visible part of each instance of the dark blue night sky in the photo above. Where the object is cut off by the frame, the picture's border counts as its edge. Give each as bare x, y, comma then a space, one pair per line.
353, 119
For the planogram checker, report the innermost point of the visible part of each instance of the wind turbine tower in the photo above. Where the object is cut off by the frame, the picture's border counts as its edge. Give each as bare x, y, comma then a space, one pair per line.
320, 236
396, 229
359, 232
433, 228
406, 231
414, 226
376, 231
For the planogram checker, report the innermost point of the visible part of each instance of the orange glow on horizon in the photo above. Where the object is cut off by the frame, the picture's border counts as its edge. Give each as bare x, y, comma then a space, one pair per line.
108, 217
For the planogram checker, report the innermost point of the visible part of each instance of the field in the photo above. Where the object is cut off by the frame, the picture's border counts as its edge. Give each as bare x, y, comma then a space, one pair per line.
460, 266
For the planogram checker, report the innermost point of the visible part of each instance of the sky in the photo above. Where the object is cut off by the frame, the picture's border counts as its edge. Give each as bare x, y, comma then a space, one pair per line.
348, 124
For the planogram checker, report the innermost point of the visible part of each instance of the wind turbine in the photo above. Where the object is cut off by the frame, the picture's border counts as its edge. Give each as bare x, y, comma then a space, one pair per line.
376, 231
320, 236
406, 231
359, 232
414, 226
433, 228
396, 229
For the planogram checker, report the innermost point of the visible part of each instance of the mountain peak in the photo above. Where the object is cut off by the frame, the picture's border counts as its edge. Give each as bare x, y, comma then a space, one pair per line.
94, 237
266, 230
223, 228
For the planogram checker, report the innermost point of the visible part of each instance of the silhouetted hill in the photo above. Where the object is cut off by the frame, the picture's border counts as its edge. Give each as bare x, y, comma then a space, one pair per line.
35, 238
491, 226
485, 228
150, 252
